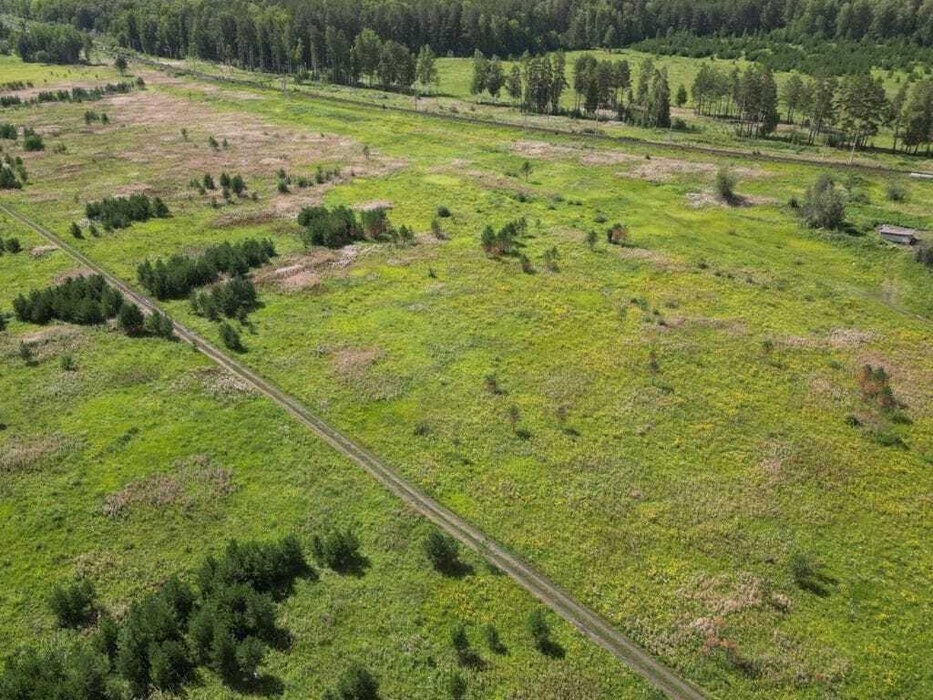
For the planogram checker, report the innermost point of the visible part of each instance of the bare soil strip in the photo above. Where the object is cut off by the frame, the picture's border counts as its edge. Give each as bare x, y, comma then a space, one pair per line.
588, 622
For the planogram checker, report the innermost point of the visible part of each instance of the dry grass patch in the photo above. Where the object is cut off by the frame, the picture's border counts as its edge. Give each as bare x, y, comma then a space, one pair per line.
298, 272
18, 456
194, 481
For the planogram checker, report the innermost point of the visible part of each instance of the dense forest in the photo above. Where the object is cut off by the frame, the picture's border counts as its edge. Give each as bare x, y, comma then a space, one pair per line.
286, 34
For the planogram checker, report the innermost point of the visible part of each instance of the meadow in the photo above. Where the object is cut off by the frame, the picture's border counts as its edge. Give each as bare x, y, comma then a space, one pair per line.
667, 428
124, 470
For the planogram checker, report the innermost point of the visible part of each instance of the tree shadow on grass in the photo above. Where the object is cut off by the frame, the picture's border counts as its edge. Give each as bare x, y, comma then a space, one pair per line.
354, 566
263, 685
551, 649
455, 569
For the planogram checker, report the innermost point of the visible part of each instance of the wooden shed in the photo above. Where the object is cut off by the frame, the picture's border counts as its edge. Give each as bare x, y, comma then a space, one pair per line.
898, 234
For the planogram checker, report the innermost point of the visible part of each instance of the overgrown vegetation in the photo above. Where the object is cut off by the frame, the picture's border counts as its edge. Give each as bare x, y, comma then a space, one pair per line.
121, 212
341, 226
175, 277
226, 623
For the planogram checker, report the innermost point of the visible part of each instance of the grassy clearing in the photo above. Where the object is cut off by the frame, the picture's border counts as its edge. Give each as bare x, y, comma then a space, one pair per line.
682, 405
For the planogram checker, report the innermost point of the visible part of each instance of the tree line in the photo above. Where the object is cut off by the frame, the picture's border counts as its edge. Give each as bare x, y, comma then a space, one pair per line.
785, 51
52, 43
843, 112
282, 33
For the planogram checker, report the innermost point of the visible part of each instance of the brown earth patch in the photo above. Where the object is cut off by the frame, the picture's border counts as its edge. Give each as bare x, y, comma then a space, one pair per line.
256, 148
296, 272
41, 250
374, 205
194, 481
353, 362
74, 274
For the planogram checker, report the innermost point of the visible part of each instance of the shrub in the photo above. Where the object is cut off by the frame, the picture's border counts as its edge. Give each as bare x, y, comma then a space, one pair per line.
67, 362
13, 246
493, 640
617, 234
160, 325
32, 141
456, 686
810, 574
591, 238
539, 629
895, 191
207, 181
337, 549
443, 551
824, 205
443, 212
131, 319
551, 256
876, 388
73, 605
924, 254
725, 184
356, 683
230, 337
75, 230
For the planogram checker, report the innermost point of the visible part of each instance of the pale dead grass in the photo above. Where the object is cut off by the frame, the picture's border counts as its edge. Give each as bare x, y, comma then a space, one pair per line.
21, 455
42, 250
193, 481
294, 273
353, 362
257, 148
655, 169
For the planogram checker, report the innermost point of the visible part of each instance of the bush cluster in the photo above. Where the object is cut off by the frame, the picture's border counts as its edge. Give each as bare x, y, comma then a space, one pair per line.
504, 241
8, 131
120, 212
340, 226
10, 245
175, 277
81, 300
32, 141
12, 173
234, 298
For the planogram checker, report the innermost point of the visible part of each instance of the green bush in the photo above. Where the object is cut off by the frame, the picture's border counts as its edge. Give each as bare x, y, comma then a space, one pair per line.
824, 205
73, 605
337, 549
230, 337
131, 319
356, 683
443, 551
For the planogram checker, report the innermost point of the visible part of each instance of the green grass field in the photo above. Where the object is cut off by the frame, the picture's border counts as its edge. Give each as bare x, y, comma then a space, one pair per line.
677, 418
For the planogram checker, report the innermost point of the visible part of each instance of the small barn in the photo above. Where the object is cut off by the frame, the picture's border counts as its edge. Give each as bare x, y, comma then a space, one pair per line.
898, 234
